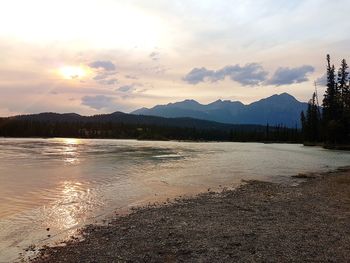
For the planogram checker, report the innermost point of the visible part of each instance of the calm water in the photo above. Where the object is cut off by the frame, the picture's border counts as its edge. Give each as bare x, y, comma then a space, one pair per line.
63, 184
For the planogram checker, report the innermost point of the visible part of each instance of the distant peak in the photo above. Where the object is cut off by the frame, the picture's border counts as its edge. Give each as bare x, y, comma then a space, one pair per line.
118, 113
187, 101
190, 101
283, 98
220, 101
285, 94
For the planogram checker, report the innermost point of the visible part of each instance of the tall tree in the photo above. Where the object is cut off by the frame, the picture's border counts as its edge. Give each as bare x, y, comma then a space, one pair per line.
311, 122
332, 123
330, 94
343, 84
335, 118
343, 77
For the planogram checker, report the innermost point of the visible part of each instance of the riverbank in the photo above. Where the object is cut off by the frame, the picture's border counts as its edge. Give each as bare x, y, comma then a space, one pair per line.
259, 221
329, 146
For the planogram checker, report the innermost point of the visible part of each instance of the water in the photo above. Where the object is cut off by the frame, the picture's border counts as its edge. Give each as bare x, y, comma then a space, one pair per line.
63, 184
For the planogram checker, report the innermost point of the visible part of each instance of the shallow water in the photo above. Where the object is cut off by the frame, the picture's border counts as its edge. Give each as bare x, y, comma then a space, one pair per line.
63, 184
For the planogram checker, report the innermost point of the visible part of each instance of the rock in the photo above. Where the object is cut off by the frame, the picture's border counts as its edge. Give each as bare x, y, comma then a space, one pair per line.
305, 176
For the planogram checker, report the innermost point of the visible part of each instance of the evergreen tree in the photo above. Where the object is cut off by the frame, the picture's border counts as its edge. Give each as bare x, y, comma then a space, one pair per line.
343, 77
343, 83
332, 107
329, 97
311, 122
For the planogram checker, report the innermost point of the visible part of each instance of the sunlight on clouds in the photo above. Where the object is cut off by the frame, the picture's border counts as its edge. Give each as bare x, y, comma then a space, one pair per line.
73, 72
101, 24
100, 56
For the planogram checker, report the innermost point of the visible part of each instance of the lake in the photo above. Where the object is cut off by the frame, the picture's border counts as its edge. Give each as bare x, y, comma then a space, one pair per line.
63, 184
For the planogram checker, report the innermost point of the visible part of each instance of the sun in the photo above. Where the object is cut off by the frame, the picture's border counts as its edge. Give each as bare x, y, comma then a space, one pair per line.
72, 72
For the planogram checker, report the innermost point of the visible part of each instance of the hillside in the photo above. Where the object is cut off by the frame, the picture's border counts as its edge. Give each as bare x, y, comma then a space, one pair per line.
120, 125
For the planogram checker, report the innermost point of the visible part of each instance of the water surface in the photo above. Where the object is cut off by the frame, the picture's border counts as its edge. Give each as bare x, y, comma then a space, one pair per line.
63, 184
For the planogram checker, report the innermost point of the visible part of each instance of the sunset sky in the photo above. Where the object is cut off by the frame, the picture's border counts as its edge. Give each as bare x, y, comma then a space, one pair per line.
99, 56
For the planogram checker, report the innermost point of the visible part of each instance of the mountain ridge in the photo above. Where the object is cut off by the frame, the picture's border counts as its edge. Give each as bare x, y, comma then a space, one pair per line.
278, 109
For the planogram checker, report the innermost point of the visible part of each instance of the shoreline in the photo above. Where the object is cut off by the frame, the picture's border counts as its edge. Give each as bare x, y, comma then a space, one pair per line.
337, 147
258, 221
159, 140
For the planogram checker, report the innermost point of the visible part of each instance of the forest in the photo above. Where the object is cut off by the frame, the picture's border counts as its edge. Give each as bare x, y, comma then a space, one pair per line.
329, 124
27, 127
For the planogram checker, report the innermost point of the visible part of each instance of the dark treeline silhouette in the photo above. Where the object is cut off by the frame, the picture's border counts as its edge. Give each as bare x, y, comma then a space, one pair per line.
330, 125
311, 121
128, 126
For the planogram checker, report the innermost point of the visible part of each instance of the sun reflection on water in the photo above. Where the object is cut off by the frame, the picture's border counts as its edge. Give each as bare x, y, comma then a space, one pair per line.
71, 141
70, 150
68, 209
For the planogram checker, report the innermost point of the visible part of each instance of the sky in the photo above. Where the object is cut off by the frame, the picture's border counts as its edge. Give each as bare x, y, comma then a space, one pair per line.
101, 56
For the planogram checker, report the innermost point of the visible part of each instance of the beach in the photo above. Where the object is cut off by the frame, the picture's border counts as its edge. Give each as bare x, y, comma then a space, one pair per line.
257, 222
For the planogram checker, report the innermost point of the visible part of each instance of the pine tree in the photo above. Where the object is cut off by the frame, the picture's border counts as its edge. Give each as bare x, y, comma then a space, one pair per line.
311, 122
329, 97
343, 80
343, 77
332, 109
335, 118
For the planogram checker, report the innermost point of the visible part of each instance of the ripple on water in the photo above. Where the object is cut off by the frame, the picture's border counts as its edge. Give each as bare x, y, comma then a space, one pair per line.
61, 184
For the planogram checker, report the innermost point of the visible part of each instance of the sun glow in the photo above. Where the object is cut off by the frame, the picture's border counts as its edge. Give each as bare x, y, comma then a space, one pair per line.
72, 72
103, 24
71, 141
70, 150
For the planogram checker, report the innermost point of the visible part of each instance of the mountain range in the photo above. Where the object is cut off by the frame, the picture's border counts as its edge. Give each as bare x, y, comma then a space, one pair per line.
282, 109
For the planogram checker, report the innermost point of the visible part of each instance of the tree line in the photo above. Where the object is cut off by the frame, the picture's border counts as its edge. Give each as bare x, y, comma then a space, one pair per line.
330, 123
11, 127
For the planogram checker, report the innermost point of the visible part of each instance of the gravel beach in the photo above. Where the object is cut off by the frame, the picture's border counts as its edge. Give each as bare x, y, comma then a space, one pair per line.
257, 222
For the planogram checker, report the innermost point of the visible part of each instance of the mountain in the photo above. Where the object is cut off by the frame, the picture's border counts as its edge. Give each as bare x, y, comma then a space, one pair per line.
278, 109
131, 119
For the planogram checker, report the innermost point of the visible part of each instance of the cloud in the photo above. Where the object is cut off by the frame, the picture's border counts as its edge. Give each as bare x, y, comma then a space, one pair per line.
104, 75
155, 55
126, 88
98, 102
198, 75
132, 88
130, 77
112, 81
287, 76
155, 69
322, 81
105, 72
159, 69
252, 74
103, 64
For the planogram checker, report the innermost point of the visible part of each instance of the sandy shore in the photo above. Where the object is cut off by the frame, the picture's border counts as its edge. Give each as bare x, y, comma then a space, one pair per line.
258, 222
